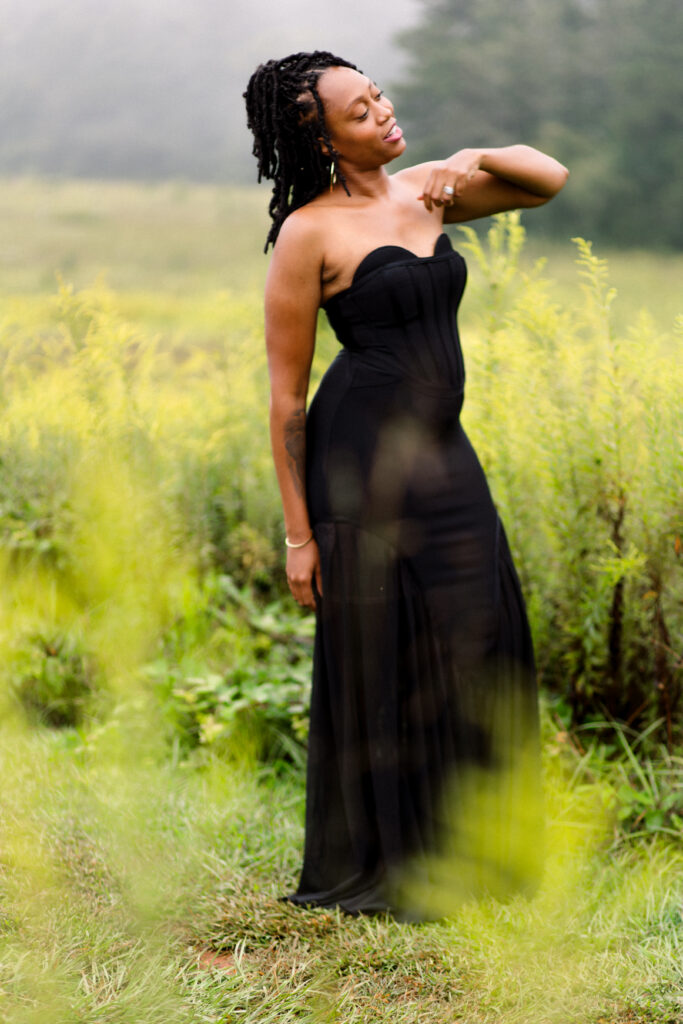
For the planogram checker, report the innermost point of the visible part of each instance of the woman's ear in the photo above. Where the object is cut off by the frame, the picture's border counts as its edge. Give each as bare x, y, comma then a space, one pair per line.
324, 148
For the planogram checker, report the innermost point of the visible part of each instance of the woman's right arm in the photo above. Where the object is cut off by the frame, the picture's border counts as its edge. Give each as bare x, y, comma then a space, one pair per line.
292, 301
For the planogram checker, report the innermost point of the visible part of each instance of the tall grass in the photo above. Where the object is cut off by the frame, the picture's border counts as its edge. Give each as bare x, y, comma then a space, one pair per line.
579, 428
149, 660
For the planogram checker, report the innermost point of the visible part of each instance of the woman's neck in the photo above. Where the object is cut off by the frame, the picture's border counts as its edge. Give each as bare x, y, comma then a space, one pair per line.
365, 184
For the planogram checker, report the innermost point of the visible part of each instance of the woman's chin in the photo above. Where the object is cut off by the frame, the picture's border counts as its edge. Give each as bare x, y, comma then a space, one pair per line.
398, 149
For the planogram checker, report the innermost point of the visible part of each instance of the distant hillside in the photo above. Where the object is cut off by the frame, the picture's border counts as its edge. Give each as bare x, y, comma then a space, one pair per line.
152, 88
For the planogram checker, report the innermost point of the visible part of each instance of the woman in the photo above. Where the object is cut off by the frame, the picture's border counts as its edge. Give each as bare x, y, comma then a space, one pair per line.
424, 693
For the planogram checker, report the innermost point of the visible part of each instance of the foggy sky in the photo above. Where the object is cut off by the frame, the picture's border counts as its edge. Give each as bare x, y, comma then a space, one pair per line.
91, 88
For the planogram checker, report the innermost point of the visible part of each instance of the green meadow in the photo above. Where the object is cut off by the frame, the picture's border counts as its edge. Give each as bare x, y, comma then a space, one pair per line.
181, 239
154, 673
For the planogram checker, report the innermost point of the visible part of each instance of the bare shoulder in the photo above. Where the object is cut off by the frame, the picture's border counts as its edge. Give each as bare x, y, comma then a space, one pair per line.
294, 274
299, 243
297, 257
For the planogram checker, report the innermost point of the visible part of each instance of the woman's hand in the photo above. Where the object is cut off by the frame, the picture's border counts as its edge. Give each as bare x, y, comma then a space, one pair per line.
481, 182
303, 567
454, 173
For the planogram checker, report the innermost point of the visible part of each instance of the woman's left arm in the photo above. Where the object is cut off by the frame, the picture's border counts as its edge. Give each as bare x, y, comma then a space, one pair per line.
487, 181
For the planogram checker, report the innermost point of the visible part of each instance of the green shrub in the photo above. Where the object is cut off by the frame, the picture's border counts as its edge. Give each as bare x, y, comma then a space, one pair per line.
54, 678
236, 674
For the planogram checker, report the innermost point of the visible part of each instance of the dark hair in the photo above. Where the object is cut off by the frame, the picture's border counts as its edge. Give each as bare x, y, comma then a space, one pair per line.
285, 114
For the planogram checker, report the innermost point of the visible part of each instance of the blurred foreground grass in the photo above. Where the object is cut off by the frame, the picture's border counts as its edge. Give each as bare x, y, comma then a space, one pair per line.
136, 889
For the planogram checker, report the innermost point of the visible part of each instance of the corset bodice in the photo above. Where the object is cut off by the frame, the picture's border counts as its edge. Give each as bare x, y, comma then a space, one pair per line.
398, 317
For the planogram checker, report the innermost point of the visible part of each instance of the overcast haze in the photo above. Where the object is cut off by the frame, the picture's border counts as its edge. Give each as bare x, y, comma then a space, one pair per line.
153, 88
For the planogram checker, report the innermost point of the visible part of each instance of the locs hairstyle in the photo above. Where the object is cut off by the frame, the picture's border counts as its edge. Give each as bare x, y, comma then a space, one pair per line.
286, 115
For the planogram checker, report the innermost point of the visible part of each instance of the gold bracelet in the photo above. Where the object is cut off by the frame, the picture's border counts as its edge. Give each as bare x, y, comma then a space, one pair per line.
302, 545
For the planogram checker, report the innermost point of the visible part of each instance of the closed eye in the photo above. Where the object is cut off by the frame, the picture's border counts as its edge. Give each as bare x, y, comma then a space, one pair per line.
376, 98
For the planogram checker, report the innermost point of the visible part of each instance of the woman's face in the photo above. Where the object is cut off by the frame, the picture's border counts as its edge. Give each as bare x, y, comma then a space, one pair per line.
360, 119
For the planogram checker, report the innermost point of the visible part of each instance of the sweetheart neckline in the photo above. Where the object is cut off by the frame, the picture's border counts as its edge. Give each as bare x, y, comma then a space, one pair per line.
379, 248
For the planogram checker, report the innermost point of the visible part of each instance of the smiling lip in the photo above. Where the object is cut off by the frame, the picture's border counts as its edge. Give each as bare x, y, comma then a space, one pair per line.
394, 135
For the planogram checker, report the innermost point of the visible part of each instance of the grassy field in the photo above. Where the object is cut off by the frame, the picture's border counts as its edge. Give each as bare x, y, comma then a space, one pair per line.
144, 844
184, 240
139, 890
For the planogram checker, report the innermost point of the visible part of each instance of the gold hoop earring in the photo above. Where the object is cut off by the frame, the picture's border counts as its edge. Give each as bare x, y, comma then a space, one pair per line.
333, 176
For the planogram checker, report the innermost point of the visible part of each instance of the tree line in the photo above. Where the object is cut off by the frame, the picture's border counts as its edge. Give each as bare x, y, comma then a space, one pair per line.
597, 83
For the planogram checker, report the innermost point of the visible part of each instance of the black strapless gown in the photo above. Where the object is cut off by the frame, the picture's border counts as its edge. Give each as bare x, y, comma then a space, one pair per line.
423, 675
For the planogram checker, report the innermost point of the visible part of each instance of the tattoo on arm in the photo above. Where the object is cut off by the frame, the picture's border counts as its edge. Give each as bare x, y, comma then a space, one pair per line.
295, 444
